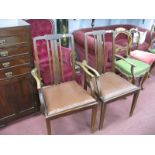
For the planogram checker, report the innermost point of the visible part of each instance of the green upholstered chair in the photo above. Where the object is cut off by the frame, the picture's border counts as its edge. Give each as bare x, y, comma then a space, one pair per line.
122, 62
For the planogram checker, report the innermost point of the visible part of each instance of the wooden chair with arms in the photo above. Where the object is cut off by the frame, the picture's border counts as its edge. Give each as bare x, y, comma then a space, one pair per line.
108, 86
61, 98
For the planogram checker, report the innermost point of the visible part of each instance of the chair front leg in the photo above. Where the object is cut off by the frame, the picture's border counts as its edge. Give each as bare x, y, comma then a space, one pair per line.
134, 101
102, 115
48, 126
144, 79
93, 118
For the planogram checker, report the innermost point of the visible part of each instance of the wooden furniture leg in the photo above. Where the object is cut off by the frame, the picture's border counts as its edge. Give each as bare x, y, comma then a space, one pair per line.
48, 126
102, 115
93, 118
135, 97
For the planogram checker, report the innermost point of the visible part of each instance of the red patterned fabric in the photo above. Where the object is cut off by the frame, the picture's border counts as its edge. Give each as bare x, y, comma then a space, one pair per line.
40, 27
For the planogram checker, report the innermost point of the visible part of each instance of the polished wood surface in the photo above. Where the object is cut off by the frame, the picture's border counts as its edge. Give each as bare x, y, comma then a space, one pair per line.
17, 90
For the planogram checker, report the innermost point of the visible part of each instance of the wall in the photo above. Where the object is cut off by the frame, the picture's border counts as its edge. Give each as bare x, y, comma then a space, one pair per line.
83, 23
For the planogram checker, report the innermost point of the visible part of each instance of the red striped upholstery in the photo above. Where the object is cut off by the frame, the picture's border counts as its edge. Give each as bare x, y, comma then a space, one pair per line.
40, 27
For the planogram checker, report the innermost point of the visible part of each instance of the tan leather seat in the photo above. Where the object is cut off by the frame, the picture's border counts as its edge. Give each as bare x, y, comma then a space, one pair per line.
65, 96
113, 86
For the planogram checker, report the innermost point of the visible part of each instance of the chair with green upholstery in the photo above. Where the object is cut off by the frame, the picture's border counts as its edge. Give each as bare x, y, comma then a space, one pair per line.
122, 62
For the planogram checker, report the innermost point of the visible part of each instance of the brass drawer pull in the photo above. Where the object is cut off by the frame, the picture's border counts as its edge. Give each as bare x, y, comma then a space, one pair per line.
4, 53
8, 74
2, 42
6, 64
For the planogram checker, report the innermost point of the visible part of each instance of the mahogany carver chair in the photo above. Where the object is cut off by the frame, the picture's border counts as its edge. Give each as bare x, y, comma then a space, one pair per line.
61, 97
108, 85
129, 67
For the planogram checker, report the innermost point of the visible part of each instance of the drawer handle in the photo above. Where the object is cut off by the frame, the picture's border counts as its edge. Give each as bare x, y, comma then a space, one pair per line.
8, 74
4, 53
6, 64
2, 42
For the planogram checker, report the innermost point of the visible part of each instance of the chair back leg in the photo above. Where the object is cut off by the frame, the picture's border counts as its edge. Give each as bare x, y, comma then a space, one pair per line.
134, 101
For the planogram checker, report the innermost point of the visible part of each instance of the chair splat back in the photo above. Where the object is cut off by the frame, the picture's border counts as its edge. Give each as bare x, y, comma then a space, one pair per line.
99, 40
56, 57
118, 48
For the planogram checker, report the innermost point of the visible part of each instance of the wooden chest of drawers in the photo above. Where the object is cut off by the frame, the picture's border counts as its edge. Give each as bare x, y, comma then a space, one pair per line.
18, 95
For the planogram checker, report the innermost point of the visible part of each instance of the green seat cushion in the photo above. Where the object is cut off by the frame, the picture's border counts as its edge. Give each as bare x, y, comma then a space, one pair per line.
152, 50
140, 69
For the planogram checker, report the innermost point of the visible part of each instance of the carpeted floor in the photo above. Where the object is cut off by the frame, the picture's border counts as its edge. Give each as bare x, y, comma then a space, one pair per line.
116, 122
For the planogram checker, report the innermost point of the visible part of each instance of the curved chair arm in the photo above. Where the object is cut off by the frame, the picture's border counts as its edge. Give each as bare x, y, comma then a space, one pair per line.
132, 65
87, 69
36, 77
84, 62
91, 78
43, 107
119, 56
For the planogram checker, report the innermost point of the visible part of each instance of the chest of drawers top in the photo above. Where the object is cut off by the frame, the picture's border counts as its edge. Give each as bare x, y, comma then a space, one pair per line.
15, 48
10, 23
13, 33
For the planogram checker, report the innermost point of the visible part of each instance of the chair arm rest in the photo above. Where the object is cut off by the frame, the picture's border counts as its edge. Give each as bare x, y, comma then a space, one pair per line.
36, 77
119, 56
91, 75
94, 71
87, 69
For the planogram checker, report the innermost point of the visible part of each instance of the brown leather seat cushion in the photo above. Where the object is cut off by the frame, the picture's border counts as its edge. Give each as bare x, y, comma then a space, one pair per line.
66, 96
113, 86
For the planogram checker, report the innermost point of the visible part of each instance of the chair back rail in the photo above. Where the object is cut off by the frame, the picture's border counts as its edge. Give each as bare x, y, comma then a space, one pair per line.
55, 57
99, 47
118, 49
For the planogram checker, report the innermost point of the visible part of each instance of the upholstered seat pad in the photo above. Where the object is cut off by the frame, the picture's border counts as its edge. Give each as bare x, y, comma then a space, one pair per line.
140, 69
113, 86
65, 96
152, 50
144, 56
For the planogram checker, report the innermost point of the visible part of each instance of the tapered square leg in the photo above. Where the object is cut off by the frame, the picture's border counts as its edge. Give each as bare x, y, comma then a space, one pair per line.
93, 118
102, 115
48, 126
134, 101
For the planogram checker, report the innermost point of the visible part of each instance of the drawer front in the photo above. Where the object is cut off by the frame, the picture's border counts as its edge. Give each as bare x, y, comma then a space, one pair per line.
14, 72
13, 51
19, 60
11, 37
